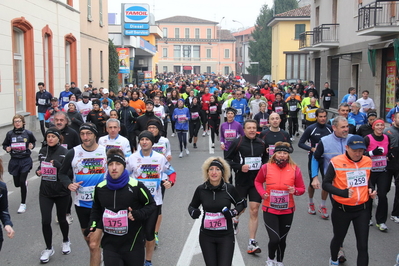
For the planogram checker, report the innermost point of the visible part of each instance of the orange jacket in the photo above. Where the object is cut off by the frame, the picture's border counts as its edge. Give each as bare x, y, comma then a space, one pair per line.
138, 104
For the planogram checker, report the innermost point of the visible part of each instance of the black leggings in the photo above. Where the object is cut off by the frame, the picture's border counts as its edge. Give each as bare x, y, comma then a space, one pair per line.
383, 181
293, 125
395, 208
214, 124
182, 135
125, 258
277, 227
20, 181
173, 125
282, 123
217, 251
204, 119
46, 207
194, 126
341, 221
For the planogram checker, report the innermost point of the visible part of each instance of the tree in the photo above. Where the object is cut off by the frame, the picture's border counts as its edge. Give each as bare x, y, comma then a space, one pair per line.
113, 65
260, 49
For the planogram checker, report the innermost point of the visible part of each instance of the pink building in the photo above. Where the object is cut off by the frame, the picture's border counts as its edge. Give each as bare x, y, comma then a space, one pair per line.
193, 45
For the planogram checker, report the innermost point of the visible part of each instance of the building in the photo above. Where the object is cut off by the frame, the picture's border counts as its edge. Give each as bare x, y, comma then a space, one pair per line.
193, 45
94, 42
287, 61
354, 44
242, 49
36, 48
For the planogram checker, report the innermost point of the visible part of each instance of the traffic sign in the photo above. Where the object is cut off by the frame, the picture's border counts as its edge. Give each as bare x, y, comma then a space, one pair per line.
240, 63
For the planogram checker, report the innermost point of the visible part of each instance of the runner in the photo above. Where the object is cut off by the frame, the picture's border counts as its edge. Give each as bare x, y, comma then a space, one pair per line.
52, 191
88, 163
195, 121
4, 214
277, 182
181, 116
246, 155
293, 108
213, 113
216, 196
148, 167
241, 105
113, 139
347, 179
18, 143
120, 200
43, 98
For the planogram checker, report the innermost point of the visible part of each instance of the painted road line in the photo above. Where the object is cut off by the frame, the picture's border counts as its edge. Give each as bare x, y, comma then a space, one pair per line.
211, 150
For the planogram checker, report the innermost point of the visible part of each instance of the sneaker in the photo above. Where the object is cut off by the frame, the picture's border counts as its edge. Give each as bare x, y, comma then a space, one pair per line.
271, 262
187, 152
22, 208
341, 256
190, 140
66, 247
292, 139
253, 248
69, 218
156, 239
397, 260
173, 134
204, 134
147, 263
207, 133
235, 225
395, 219
297, 134
213, 145
371, 223
279, 263
333, 263
323, 211
311, 209
382, 226
46, 254
195, 145
181, 155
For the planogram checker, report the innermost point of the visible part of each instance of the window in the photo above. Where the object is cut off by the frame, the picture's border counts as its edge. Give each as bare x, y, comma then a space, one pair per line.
165, 32
226, 70
101, 67
71, 61
187, 51
177, 33
177, 51
208, 53
208, 69
48, 66
236, 51
226, 53
19, 84
100, 2
177, 69
186, 33
296, 66
67, 62
89, 17
197, 33
165, 69
164, 52
90, 66
196, 51
299, 28
208, 33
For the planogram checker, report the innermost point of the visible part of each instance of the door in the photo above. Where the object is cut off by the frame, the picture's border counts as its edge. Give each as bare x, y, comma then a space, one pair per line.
335, 82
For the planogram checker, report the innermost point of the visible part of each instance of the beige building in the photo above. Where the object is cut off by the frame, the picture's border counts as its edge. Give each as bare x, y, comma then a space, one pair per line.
242, 49
94, 42
40, 42
193, 45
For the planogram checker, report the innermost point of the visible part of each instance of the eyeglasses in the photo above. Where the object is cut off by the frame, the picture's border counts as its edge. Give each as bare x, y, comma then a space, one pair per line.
17, 121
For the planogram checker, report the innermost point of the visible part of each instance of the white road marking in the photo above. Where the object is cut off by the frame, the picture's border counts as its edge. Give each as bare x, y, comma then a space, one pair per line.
192, 248
211, 150
9, 193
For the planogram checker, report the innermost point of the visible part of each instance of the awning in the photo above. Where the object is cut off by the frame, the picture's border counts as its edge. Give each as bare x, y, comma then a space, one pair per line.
187, 68
381, 45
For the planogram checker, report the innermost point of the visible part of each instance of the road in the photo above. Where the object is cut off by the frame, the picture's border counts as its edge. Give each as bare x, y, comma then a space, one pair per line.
307, 244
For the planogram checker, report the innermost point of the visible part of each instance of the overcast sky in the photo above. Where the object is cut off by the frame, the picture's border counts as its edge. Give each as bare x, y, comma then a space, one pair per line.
214, 10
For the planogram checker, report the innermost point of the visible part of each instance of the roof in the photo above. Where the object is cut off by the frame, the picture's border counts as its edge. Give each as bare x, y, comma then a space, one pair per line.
185, 19
298, 12
244, 32
226, 35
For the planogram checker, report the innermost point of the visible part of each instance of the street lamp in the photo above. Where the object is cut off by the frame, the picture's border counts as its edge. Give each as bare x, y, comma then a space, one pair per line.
243, 47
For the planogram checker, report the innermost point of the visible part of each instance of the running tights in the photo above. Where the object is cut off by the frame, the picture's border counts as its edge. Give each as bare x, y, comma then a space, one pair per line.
46, 207
381, 180
293, 125
217, 251
182, 135
277, 227
20, 181
341, 221
194, 126
214, 124
125, 258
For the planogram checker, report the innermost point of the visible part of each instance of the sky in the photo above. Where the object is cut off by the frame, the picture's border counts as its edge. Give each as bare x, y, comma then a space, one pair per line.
221, 11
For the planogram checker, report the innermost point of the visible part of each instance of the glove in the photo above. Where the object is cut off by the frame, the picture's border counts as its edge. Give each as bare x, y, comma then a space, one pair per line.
229, 213
195, 213
89, 230
57, 164
377, 151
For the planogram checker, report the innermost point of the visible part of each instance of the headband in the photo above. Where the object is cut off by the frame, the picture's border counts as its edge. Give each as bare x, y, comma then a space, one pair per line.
55, 131
371, 114
218, 164
282, 148
377, 121
116, 158
89, 126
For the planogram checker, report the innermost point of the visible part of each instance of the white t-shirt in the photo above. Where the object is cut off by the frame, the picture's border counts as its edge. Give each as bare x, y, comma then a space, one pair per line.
368, 103
119, 142
84, 109
159, 112
162, 147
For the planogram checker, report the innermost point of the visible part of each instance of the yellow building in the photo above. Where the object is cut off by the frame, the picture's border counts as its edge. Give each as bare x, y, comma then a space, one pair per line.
287, 61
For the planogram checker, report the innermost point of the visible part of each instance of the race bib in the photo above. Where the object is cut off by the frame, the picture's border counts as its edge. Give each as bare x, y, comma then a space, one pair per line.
327, 98
41, 101
213, 109
65, 146
279, 199
158, 114
292, 108
181, 118
65, 99
279, 109
311, 115
356, 178
239, 111
215, 221
18, 146
85, 193
254, 162
262, 122
152, 186
230, 134
194, 115
378, 163
115, 223
271, 150
85, 112
174, 102
49, 172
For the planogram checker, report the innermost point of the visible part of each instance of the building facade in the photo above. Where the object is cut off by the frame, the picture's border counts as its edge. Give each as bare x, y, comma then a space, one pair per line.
242, 49
193, 45
354, 44
287, 61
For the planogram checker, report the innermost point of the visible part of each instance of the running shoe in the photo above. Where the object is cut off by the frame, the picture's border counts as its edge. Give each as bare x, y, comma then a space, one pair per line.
195, 145
382, 226
253, 248
187, 152
46, 254
173, 134
147, 263
69, 218
204, 134
190, 140
271, 262
311, 209
213, 145
279, 263
341, 256
22, 208
397, 260
292, 139
181, 155
207, 132
156, 239
66, 247
235, 225
333, 263
395, 219
371, 223
323, 211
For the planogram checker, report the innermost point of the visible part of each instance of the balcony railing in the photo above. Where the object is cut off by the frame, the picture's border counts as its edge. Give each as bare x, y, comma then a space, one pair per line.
378, 14
306, 39
325, 34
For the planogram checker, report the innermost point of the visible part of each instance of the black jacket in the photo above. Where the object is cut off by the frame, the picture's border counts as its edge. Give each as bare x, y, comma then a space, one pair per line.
141, 123
76, 120
128, 116
43, 101
19, 136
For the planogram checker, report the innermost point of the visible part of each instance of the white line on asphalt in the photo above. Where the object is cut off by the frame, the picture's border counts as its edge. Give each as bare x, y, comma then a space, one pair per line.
9, 193
211, 150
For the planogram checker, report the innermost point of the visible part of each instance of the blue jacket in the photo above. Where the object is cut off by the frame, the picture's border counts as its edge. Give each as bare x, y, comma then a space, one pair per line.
176, 113
391, 113
241, 107
64, 97
360, 118
345, 99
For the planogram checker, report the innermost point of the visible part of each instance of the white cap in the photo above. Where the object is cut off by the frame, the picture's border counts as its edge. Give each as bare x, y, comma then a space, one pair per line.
130, 85
86, 86
105, 91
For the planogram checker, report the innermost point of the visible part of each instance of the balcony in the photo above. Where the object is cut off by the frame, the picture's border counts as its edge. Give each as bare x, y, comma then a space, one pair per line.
306, 42
378, 18
326, 36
